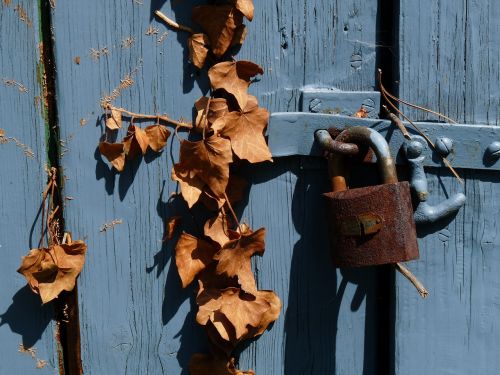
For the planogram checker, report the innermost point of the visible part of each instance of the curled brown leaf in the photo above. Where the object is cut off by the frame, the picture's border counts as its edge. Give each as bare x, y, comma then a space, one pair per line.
234, 258
246, 7
136, 142
246, 129
216, 108
234, 77
203, 163
51, 270
114, 153
157, 136
219, 22
192, 255
114, 120
198, 49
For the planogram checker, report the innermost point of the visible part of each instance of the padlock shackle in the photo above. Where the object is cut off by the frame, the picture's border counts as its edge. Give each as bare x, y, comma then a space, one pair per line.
373, 139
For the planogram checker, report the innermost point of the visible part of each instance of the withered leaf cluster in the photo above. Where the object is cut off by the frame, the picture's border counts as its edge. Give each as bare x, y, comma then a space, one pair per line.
51, 270
135, 143
232, 125
223, 28
231, 307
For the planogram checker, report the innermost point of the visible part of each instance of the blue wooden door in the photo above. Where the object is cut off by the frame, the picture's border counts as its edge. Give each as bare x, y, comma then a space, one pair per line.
134, 316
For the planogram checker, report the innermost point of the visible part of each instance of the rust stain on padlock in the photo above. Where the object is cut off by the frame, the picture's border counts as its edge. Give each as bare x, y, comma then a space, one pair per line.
371, 225
361, 225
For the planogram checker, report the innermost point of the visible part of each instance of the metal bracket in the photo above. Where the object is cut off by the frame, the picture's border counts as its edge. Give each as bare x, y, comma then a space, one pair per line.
292, 133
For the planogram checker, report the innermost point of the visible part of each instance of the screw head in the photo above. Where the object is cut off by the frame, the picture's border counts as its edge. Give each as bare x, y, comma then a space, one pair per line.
414, 149
315, 105
493, 151
444, 146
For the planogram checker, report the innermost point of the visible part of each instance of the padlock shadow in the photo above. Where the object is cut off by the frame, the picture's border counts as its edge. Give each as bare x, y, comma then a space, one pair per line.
329, 311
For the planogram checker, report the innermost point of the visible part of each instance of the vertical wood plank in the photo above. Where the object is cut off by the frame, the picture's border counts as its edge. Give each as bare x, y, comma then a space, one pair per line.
23, 319
451, 64
135, 317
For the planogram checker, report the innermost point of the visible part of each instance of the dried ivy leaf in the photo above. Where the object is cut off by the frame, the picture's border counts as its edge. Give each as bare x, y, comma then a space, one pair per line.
157, 136
216, 108
192, 255
270, 315
245, 7
205, 161
191, 186
171, 226
243, 311
114, 153
135, 142
234, 77
219, 22
245, 129
204, 364
114, 121
234, 258
198, 50
240, 35
51, 270
361, 113
217, 229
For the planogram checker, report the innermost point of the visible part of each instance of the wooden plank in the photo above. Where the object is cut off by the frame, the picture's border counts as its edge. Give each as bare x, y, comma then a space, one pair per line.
23, 319
456, 330
135, 317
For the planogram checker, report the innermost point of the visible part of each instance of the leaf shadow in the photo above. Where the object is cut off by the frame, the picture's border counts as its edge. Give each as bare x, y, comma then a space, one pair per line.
27, 316
180, 11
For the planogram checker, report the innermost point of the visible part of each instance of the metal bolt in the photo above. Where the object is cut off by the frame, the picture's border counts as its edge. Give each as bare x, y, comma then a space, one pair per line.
444, 146
493, 151
315, 105
414, 149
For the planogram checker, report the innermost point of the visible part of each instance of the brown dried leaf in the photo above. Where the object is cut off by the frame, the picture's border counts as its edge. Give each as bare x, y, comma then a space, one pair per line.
219, 22
243, 311
198, 50
217, 229
191, 186
204, 364
216, 109
192, 255
246, 7
205, 161
270, 315
240, 35
135, 142
114, 153
234, 77
157, 136
234, 258
114, 121
362, 113
246, 131
51, 270
171, 226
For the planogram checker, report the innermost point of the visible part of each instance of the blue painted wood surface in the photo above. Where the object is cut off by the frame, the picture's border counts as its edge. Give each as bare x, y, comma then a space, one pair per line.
23, 320
135, 318
451, 65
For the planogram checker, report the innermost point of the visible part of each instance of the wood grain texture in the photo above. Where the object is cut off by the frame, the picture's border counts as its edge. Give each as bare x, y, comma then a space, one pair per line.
135, 318
449, 62
23, 319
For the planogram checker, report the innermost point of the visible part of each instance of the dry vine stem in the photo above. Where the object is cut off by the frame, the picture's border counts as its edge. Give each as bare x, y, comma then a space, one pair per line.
412, 278
387, 96
173, 24
163, 118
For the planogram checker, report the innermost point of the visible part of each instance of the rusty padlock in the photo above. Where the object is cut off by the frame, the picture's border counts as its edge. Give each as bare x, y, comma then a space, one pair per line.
370, 225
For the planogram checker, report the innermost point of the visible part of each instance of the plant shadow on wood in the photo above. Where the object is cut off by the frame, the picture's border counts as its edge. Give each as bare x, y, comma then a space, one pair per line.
103, 170
192, 336
27, 317
181, 13
315, 292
